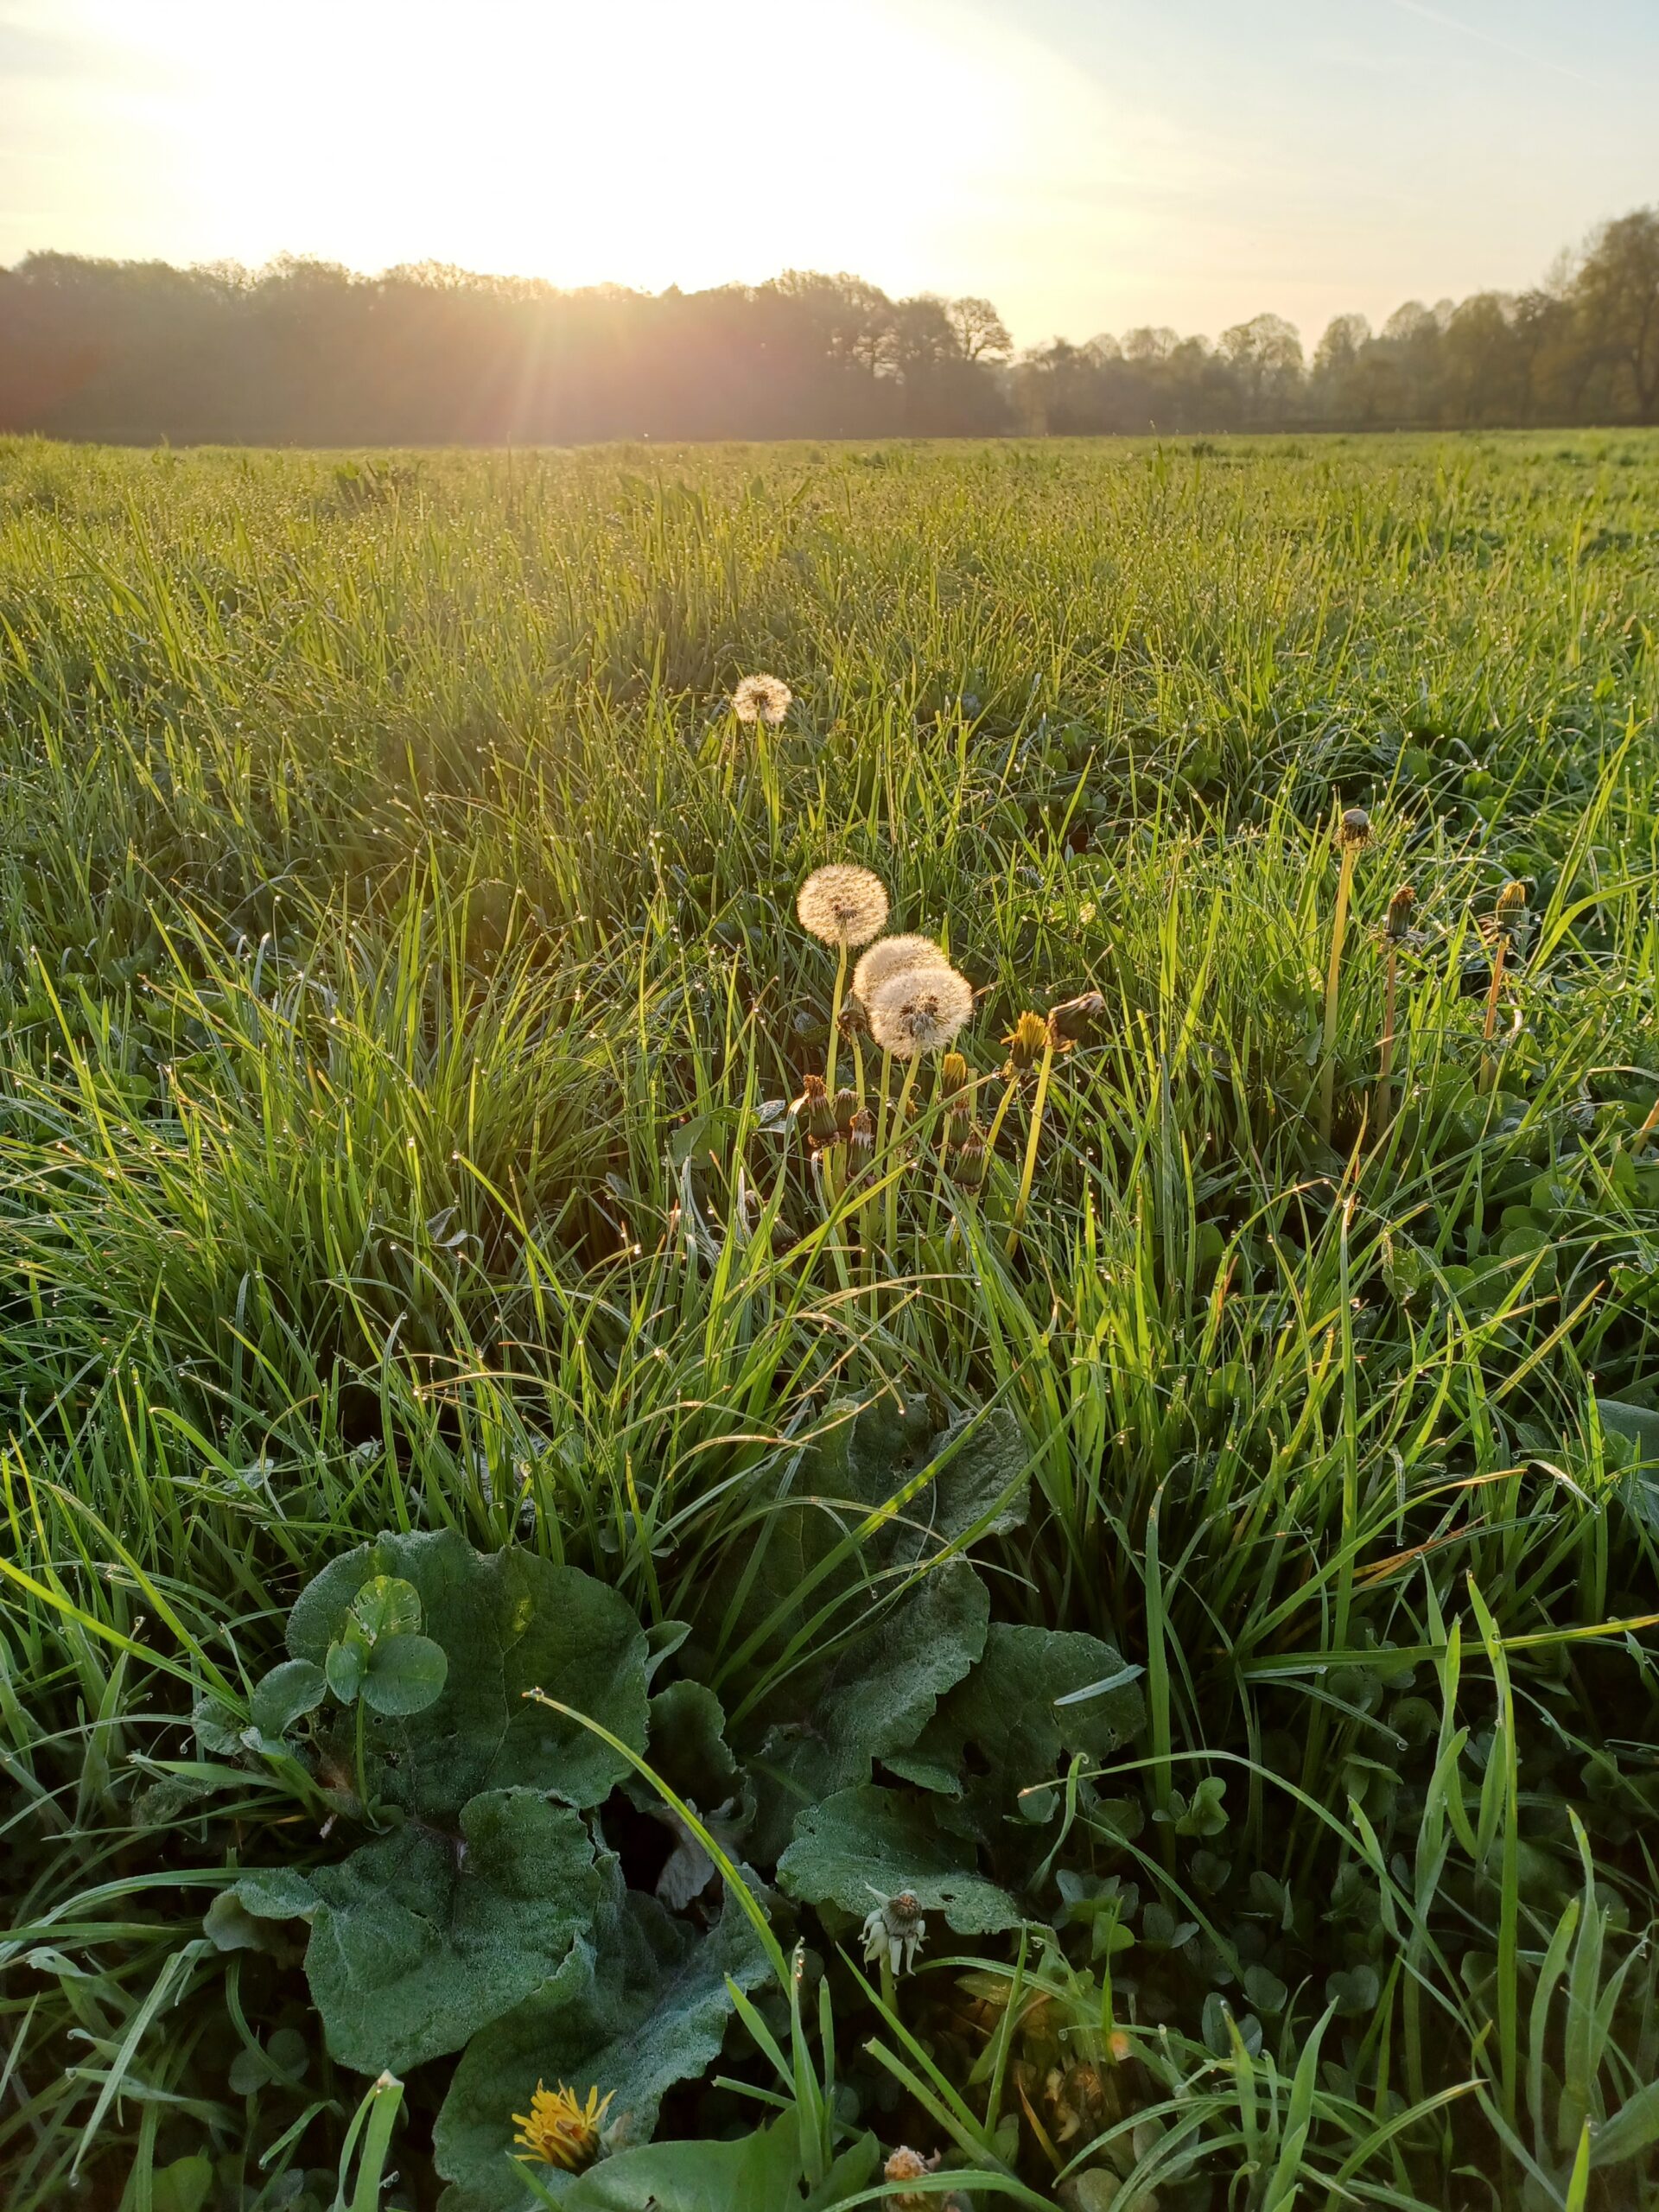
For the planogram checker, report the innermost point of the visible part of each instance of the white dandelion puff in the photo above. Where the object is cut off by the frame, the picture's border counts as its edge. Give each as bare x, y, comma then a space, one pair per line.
762, 699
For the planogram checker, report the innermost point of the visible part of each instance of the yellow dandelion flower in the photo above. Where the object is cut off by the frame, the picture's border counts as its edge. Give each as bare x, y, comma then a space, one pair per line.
891, 956
1025, 1040
762, 699
842, 905
919, 1010
560, 2131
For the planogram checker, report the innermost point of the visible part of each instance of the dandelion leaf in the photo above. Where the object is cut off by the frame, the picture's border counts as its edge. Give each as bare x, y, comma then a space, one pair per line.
867, 1843
645, 2006
507, 1623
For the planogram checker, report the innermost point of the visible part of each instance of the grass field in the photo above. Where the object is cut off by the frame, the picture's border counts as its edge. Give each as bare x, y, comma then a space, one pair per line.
403, 1002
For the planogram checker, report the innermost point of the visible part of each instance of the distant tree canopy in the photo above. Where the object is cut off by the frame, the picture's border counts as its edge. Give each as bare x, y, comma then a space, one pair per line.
307, 352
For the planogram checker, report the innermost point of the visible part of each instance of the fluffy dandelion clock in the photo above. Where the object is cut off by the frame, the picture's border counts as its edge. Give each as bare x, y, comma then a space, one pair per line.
842, 905
762, 699
919, 1010
892, 956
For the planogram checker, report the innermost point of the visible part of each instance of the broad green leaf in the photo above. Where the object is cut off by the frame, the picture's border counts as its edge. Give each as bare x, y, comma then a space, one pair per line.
184, 2186
867, 1843
645, 2009
507, 1623
387, 1605
405, 1674
344, 1665
940, 1484
1002, 1732
876, 1701
420, 1938
760, 2172
295, 1688
687, 1745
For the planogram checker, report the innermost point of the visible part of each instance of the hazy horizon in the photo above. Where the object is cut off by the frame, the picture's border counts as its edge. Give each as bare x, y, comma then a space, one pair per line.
1087, 167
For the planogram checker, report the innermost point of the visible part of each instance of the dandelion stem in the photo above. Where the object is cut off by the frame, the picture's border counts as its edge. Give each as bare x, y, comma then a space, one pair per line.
1339, 931
1385, 1049
1032, 1139
834, 1022
898, 1139
997, 1119
1489, 1062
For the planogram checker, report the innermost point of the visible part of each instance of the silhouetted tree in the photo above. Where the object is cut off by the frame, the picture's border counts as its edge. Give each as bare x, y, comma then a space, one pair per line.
306, 352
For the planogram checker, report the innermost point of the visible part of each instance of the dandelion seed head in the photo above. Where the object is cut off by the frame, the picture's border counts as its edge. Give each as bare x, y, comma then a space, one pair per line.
842, 905
762, 699
892, 956
919, 1010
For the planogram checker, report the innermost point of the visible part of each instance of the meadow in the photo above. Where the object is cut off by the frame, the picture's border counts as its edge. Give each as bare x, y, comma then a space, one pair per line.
578, 1625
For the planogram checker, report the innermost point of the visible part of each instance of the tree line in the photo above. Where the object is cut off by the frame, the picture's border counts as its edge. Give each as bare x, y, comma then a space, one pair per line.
305, 352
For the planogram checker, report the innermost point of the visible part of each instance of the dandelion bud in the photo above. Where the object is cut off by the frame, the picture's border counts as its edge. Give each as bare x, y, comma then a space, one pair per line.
1399, 915
1511, 902
815, 1110
953, 1074
854, 1019
844, 1106
1025, 1041
1356, 829
967, 1164
1074, 1019
958, 1122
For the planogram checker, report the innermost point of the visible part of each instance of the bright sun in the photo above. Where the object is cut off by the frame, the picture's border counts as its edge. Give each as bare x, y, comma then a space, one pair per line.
647, 141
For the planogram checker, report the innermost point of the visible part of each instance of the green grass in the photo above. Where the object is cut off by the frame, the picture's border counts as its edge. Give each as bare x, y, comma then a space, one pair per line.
399, 978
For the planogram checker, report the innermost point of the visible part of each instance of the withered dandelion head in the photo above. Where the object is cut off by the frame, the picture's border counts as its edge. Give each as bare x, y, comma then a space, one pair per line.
892, 956
1356, 828
906, 2164
1074, 1018
842, 905
919, 1010
844, 1105
1399, 914
559, 2130
1512, 901
815, 1108
1024, 1041
762, 699
861, 1140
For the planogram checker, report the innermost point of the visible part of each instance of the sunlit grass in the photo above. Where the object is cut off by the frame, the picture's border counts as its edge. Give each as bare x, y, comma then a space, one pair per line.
404, 998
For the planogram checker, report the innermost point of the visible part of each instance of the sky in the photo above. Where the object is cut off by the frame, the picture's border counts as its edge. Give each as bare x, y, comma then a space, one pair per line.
1089, 165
